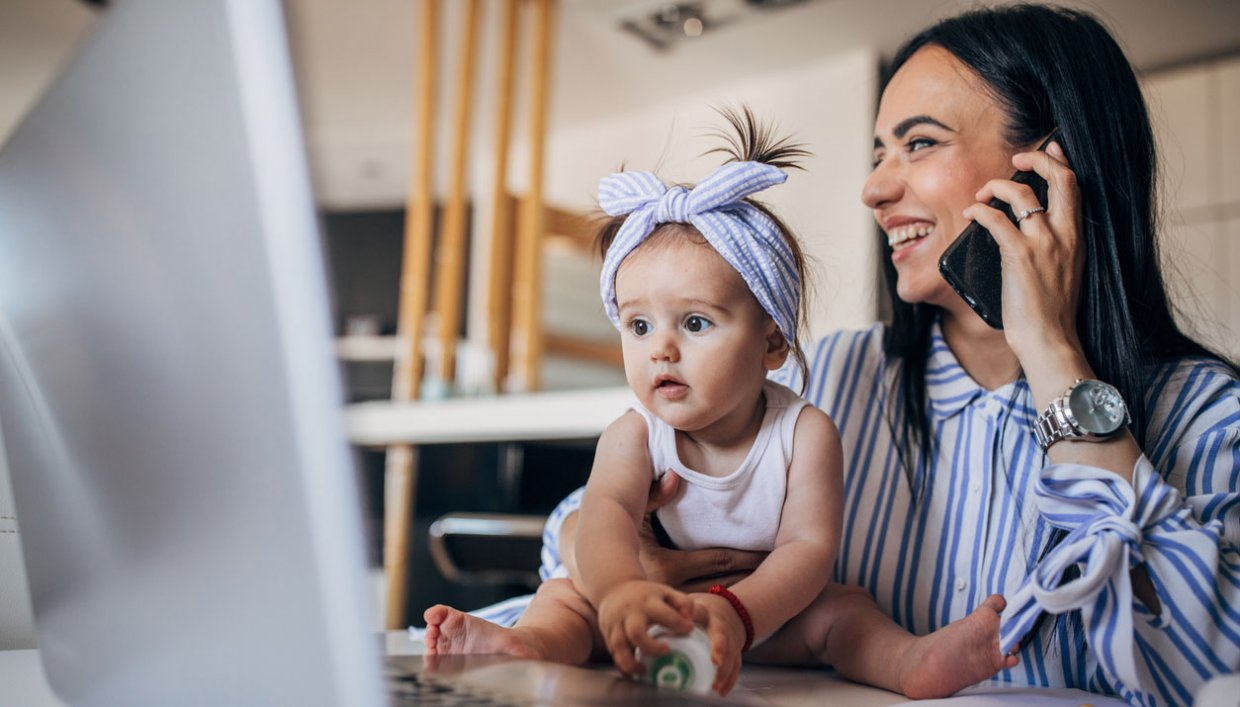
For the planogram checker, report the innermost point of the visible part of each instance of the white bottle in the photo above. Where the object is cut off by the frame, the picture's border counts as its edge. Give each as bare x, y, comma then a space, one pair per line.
685, 666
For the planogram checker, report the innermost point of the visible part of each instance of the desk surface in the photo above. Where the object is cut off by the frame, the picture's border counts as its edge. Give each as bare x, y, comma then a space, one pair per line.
786, 687
576, 414
22, 683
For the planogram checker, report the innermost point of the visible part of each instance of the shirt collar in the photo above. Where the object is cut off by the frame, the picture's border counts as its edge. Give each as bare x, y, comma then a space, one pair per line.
949, 389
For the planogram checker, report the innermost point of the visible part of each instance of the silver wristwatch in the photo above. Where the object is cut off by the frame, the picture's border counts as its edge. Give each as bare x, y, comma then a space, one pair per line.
1089, 410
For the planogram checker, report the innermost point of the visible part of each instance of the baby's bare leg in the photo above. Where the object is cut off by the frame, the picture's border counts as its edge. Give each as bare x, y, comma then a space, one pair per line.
559, 625
845, 629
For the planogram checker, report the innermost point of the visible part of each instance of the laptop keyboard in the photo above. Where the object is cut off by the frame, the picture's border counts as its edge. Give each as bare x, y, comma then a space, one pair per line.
409, 689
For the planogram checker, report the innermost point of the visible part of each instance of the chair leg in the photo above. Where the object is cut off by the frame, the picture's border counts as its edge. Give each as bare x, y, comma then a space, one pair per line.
400, 479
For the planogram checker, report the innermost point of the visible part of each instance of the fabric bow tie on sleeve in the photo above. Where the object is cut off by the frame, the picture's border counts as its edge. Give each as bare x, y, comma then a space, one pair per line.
1108, 520
745, 237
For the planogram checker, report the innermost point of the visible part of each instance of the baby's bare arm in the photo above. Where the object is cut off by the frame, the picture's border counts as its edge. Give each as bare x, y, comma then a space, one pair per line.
612, 577
799, 567
615, 497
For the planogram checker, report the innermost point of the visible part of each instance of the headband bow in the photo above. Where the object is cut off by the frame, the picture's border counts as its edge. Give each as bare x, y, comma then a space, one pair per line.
745, 237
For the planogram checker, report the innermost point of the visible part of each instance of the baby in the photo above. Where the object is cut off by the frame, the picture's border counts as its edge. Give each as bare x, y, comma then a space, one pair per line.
706, 288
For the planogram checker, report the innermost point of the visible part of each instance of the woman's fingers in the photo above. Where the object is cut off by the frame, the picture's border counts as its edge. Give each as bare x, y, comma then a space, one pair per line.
662, 491
1062, 191
1014, 194
1006, 234
701, 563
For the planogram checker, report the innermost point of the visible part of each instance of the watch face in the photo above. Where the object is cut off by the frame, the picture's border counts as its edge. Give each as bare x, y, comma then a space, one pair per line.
1097, 407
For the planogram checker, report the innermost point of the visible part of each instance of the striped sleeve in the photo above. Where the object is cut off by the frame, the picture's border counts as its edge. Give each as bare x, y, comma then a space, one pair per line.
1180, 519
552, 565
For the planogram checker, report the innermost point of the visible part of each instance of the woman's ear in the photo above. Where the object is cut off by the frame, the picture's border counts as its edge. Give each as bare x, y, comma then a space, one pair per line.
776, 347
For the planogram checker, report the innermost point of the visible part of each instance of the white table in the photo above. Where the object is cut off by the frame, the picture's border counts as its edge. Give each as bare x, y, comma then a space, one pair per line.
787, 687
22, 683
574, 414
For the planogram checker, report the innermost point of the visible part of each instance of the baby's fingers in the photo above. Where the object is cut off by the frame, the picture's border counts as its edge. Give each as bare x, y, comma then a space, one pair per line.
725, 655
621, 651
727, 674
646, 643
669, 618
683, 604
727, 668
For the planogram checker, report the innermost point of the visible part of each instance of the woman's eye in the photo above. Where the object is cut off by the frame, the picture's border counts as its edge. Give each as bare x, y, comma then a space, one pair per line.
696, 324
640, 327
920, 143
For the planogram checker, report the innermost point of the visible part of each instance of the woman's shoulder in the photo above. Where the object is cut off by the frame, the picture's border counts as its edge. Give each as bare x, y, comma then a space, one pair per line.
845, 346
844, 353
1191, 377
1192, 396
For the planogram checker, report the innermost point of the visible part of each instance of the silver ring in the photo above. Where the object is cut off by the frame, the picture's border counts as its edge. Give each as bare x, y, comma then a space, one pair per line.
1026, 213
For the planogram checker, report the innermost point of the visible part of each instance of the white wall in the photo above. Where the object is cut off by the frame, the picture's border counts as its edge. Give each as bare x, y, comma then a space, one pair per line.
1195, 110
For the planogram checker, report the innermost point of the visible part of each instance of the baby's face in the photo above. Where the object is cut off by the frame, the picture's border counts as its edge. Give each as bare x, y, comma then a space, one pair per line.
697, 345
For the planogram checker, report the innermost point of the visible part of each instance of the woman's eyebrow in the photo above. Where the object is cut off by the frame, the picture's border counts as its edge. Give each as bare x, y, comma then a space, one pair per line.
908, 124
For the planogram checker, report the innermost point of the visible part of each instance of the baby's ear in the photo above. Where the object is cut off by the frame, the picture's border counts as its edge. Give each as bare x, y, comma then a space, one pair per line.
776, 346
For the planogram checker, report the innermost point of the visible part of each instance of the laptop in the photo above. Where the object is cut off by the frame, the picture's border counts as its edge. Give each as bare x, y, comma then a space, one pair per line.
170, 406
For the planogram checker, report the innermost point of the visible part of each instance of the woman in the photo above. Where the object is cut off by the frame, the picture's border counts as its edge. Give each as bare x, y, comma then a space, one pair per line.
1116, 548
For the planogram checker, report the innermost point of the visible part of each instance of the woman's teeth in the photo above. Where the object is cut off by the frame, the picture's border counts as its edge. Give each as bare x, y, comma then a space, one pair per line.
904, 236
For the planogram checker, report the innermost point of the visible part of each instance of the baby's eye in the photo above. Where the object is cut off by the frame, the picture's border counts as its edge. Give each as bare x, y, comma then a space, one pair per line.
696, 323
639, 327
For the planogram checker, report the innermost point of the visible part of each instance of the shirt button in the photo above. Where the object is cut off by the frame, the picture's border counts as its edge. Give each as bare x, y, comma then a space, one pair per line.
975, 486
961, 584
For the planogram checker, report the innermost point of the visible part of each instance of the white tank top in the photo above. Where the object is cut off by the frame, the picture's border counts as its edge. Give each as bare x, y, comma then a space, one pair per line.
740, 510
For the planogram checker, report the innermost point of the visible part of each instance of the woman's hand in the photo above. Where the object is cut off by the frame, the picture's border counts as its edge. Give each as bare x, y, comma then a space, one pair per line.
1043, 261
727, 637
692, 570
626, 614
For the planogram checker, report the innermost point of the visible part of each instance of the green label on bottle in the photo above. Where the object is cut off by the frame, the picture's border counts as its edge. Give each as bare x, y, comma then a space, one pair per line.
672, 669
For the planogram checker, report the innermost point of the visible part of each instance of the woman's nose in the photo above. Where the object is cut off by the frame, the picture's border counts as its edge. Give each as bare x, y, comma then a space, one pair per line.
882, 187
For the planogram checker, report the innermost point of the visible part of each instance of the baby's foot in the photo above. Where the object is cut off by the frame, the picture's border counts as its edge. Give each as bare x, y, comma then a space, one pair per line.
956, 656
449, 630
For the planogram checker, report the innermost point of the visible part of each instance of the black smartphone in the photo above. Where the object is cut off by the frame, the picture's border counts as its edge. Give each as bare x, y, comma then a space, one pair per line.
971, 264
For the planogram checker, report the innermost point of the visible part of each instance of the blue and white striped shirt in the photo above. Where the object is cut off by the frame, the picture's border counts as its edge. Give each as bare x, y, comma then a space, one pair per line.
982, 522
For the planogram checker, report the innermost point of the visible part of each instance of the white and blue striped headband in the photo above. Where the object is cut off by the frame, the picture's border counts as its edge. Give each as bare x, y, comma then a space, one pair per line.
748, 239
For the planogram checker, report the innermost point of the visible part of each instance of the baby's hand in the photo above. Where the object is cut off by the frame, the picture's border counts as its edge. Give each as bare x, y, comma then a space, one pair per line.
727, 637
627, 612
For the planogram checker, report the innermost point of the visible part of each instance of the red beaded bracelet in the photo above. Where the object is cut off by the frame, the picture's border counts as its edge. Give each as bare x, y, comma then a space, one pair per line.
741, 611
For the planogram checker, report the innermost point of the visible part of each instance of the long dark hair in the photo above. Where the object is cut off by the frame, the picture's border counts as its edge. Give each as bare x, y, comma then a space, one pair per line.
1054, 67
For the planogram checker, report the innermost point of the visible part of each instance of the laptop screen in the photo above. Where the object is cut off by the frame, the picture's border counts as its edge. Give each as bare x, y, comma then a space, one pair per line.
169, 403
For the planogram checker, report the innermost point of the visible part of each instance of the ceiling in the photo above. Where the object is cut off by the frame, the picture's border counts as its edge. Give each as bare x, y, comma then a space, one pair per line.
362, 49
354, 58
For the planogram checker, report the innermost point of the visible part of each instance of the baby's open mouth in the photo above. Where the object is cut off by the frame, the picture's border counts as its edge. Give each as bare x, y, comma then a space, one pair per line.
670, 387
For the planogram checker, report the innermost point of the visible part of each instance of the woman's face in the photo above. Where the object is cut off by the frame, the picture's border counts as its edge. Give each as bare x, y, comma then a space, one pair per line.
938, 138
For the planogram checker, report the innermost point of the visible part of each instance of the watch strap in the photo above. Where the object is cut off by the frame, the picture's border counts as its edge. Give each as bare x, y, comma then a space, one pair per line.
1053, 425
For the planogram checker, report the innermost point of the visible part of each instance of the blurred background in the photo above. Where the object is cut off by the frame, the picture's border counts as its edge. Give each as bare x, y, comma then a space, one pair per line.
392, 119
